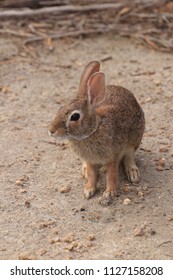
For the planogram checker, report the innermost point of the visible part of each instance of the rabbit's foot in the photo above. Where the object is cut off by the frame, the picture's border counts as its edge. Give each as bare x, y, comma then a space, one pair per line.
111, 178
90, 171
133, 173
89, 192
108, 193
131, 168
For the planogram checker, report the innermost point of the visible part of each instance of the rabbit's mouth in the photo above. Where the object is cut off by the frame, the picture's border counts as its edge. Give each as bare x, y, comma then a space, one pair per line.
68, 137
57, 137
77, 137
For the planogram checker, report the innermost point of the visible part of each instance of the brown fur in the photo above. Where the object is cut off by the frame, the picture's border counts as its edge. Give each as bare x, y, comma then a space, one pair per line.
110, 128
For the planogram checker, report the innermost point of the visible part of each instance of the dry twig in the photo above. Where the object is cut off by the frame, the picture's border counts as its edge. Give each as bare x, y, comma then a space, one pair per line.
59, 10
148, 21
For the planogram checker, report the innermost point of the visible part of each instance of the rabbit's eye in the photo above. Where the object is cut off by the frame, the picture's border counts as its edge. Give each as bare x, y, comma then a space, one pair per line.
75, 117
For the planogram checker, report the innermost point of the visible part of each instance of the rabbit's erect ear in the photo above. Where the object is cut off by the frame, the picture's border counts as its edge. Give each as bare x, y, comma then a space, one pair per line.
90, 69
96, 88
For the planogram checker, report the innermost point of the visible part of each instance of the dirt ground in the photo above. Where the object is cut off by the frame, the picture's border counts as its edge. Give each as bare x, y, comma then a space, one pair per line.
43, 214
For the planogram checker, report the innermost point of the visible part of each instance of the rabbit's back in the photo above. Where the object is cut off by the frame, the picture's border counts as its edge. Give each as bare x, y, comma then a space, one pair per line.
125, 115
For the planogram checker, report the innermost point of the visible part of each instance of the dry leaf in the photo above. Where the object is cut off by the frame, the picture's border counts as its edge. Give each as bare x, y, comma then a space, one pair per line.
49, 44
124, 11
5, 89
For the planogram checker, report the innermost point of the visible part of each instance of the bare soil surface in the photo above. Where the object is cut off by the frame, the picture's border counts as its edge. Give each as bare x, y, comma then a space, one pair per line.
43, 213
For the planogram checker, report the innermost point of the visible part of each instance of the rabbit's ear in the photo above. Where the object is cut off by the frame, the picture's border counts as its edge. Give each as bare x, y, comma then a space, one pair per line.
96, 88
90, 69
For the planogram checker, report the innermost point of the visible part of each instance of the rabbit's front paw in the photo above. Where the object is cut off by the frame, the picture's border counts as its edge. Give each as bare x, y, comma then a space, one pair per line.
89, 192
108, 193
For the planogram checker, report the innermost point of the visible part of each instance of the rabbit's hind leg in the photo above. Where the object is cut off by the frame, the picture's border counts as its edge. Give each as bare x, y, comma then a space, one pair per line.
130, 166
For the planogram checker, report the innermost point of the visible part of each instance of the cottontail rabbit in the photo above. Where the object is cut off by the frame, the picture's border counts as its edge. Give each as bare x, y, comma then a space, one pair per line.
104, 124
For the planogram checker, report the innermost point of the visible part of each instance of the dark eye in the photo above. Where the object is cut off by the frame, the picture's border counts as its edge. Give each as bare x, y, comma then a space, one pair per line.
75, 117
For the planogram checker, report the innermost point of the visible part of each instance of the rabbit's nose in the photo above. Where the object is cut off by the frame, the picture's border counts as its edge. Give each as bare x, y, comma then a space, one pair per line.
50, 133
51, 130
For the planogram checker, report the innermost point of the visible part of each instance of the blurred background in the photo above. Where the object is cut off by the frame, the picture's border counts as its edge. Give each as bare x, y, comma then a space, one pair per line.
149, 21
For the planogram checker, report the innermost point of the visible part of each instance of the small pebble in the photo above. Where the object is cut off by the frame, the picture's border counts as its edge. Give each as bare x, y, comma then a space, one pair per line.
139, 230
127, 201
65, 189
91, 237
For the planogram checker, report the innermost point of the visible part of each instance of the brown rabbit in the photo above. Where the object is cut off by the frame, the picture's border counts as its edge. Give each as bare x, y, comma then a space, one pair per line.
104, 124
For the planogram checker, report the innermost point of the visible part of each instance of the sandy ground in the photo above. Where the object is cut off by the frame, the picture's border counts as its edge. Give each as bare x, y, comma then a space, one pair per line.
43, 214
